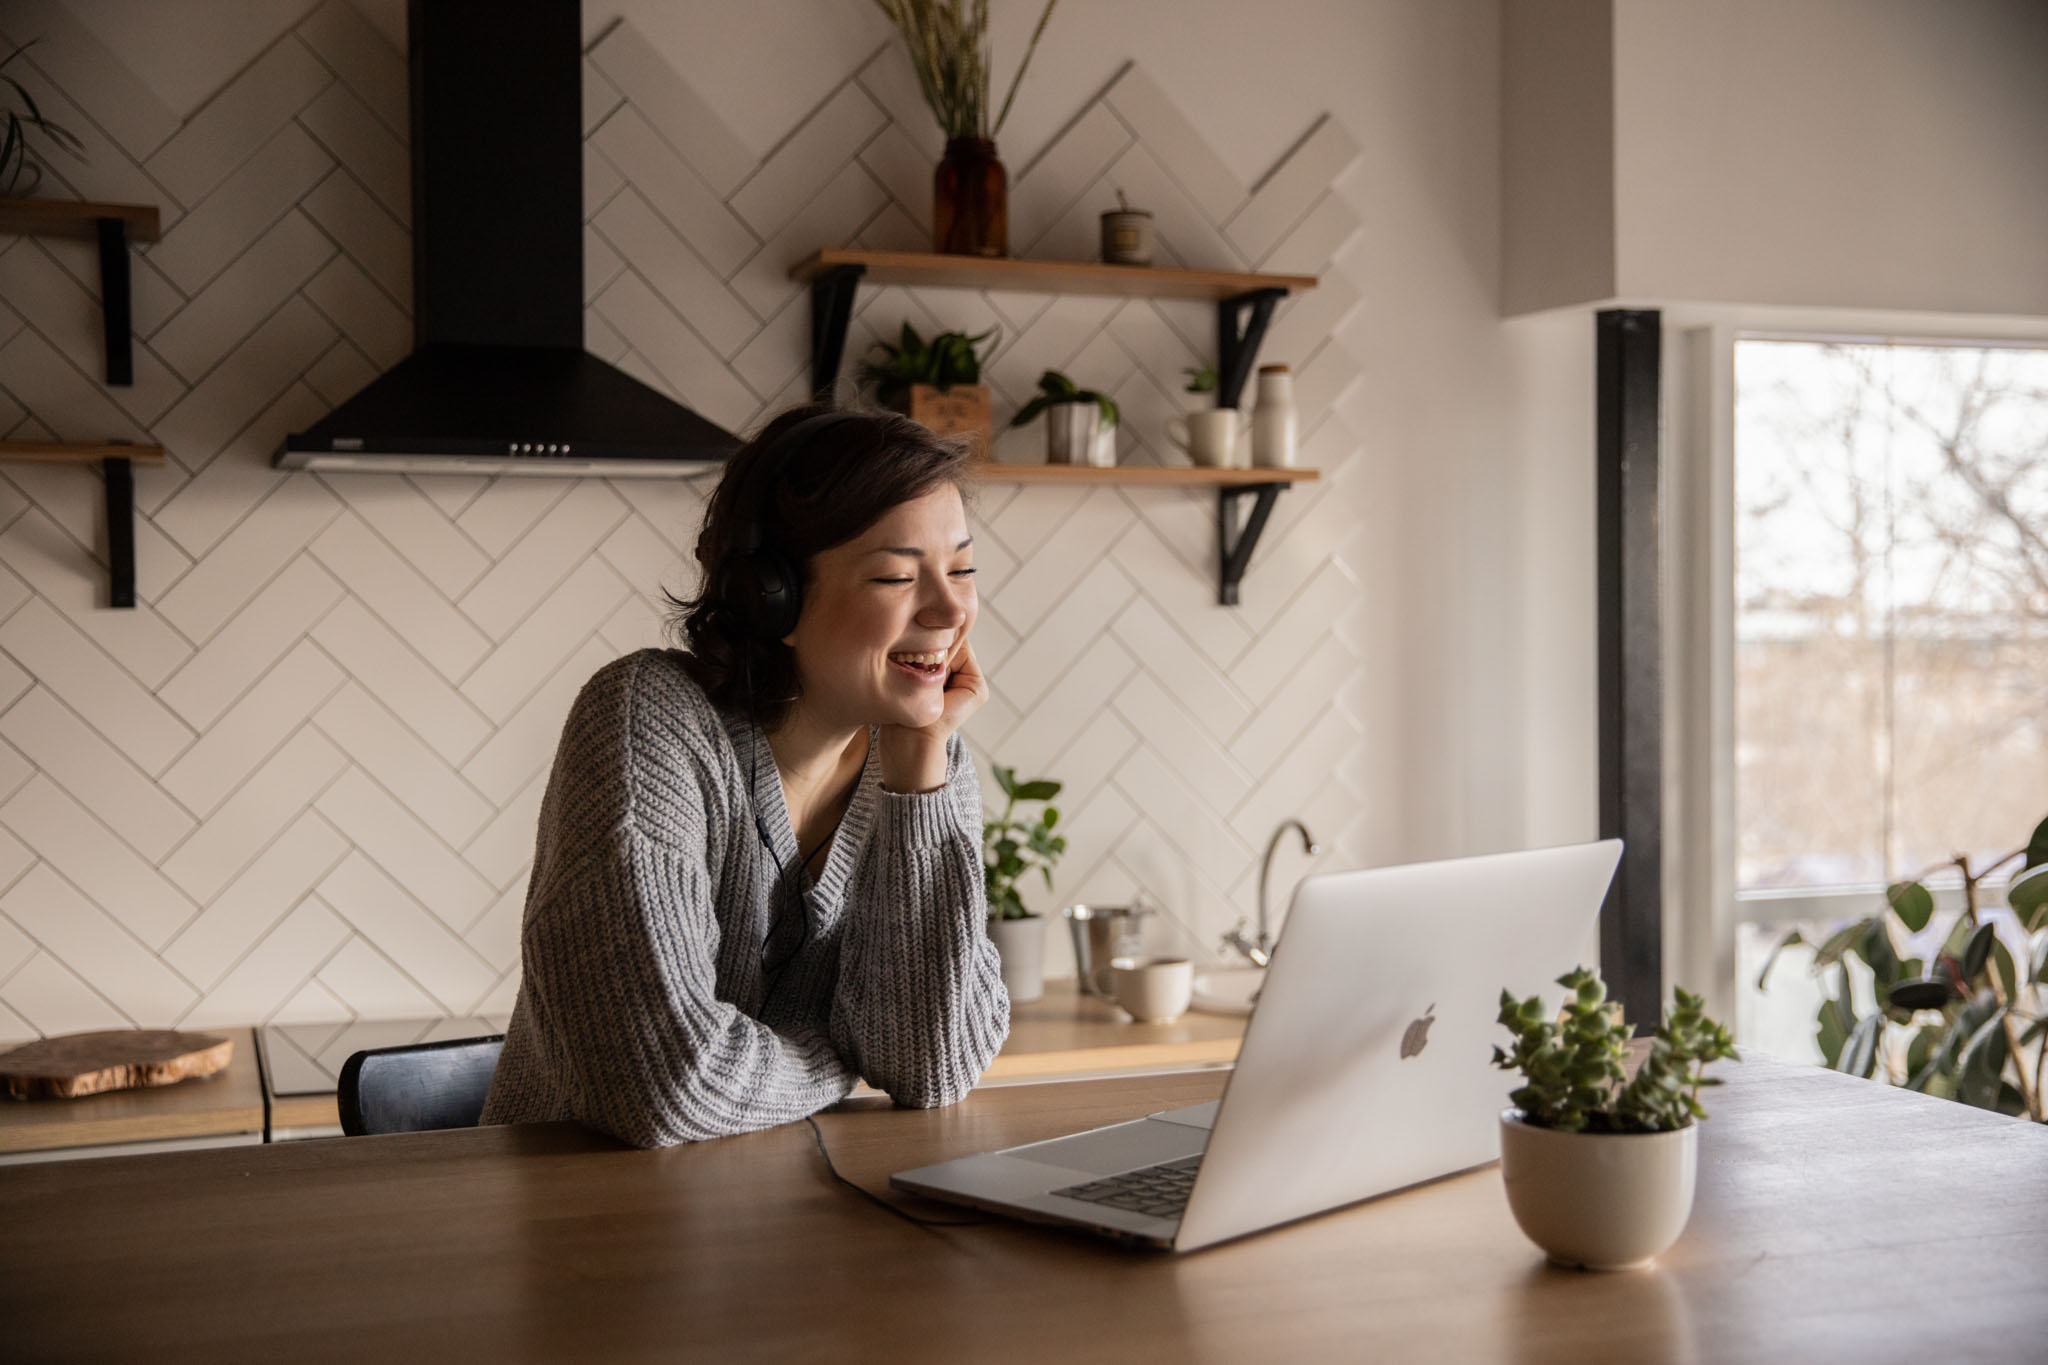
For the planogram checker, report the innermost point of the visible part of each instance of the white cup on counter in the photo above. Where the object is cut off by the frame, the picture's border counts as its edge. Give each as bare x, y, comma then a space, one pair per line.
1155, 990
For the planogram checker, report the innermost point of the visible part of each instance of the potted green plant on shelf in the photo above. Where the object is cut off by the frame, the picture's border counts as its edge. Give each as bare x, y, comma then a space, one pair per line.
1011, 849
1080, 424
1966, 1021
1599, 1165
21, 169
950, 52
936, 382
1209, 436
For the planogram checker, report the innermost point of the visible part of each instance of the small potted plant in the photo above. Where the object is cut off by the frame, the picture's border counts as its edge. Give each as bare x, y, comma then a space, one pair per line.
936, 382
1599, 1165
1080, 424
1011, 848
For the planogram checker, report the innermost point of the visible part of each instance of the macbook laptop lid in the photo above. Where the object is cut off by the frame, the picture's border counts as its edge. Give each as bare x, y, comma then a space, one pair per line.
1365, 1066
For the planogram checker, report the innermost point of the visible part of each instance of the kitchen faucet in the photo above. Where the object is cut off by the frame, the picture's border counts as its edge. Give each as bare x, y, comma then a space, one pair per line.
1259, 953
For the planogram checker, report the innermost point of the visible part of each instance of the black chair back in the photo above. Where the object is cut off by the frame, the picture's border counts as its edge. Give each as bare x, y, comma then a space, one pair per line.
419, 1086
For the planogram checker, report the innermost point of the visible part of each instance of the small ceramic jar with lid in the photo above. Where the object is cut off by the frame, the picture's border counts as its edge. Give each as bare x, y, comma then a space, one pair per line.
1275, 427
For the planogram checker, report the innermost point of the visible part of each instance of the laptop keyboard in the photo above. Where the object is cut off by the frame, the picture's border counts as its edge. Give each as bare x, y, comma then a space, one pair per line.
1161, 1191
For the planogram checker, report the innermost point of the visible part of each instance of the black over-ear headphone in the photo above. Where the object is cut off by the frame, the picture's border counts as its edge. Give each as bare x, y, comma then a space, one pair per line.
761, 590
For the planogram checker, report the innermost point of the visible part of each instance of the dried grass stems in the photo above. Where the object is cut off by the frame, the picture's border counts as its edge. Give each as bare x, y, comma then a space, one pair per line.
949, 50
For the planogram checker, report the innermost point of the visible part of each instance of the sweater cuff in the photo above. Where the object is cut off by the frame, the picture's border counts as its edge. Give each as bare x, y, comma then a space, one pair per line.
920, 819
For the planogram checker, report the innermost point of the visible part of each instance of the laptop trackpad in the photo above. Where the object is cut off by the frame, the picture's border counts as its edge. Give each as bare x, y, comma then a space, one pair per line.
1121, 1147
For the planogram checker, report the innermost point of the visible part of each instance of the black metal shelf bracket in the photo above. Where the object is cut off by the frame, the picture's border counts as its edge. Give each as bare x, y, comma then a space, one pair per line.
114, 308
1234, 546
1240, 327
831, 312
120, 476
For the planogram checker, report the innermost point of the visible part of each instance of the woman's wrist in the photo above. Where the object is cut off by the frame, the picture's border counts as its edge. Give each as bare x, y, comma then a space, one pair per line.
912, 765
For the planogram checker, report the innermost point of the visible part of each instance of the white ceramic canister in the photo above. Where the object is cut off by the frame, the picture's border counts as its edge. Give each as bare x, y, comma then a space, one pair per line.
1275, 427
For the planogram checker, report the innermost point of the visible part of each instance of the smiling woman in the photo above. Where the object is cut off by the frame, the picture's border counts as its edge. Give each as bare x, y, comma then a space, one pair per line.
692, 967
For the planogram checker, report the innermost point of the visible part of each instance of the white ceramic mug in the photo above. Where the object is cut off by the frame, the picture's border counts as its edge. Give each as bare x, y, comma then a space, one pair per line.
1209, 438
1156, 990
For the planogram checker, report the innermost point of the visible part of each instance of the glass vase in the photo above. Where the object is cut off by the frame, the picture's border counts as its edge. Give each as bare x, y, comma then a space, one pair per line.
971, 200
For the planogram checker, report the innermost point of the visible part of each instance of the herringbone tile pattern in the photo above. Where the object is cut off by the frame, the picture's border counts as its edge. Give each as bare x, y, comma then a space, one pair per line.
299, 781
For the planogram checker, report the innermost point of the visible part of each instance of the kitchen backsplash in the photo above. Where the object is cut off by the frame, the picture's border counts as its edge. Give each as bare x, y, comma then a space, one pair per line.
299, 781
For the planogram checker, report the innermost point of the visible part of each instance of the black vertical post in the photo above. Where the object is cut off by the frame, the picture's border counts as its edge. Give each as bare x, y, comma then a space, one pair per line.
1630, 570
120, 476
114, 309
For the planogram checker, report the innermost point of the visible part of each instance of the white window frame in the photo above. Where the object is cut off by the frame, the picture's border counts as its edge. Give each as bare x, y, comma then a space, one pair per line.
1702, 908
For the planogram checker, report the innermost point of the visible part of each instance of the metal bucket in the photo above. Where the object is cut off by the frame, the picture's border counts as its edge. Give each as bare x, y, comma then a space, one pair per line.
1103, 933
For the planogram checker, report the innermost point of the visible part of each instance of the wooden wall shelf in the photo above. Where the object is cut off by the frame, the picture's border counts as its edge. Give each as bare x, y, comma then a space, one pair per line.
1244, 306
1044, 277
114, 225
117, 461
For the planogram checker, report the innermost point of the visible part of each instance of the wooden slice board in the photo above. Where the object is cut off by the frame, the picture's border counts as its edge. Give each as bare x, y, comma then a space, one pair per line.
74, 1064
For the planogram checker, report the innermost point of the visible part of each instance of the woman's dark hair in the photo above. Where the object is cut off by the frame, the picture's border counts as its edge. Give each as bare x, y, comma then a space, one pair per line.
832, 487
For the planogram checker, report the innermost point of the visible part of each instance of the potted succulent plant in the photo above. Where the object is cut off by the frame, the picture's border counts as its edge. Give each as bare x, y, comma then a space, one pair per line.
936, 382
950, 52
1011, 848
20, 169
1080, 424
1599, 1165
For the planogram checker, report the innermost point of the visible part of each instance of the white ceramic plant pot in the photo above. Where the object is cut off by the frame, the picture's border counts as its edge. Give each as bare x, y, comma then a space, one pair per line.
1020, 943
1604, 1201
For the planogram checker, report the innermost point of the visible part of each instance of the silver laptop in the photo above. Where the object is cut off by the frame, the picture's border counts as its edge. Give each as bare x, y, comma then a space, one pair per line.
1366, 1065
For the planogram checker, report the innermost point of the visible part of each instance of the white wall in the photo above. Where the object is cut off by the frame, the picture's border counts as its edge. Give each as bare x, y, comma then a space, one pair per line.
296, 830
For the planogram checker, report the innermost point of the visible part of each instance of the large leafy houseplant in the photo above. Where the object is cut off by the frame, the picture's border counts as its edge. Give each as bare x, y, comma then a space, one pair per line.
1012, 848
1966, 1021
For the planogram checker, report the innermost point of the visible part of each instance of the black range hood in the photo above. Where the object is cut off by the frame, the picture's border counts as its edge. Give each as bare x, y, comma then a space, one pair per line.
498, 381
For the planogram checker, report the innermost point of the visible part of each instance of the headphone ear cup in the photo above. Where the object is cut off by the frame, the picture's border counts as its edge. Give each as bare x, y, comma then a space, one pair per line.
763, 594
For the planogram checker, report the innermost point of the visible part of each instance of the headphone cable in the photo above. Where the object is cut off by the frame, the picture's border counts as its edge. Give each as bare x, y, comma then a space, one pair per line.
870, 1195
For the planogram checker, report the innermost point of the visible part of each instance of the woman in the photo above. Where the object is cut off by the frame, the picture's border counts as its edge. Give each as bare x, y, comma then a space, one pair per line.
758, 875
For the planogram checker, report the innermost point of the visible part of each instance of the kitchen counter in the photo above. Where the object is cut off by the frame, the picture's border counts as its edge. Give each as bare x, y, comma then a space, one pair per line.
281, 1083
221, 1110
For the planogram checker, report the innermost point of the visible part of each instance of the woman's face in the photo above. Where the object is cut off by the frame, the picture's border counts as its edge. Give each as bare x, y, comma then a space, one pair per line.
883, 615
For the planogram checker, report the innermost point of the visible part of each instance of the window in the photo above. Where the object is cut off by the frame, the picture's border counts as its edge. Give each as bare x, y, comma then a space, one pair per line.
1891, 630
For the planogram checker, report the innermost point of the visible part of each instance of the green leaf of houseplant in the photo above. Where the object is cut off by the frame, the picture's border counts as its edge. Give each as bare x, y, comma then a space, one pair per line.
1978, 951
1912, 903
1878, 952
2037, 845
1795, 937
2028, 896
1841, 941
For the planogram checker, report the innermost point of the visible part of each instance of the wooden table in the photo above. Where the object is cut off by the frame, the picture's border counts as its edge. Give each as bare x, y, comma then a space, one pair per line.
1837, 1221
224, 1107
1066, 1035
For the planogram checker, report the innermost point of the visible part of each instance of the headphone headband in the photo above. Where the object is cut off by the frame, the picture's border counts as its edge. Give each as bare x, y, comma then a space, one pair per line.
763, 589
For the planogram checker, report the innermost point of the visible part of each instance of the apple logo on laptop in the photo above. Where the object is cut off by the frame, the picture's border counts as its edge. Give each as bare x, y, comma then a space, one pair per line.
1416, 1037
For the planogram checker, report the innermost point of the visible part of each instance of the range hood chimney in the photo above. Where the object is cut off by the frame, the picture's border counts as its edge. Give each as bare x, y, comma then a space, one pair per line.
498, 381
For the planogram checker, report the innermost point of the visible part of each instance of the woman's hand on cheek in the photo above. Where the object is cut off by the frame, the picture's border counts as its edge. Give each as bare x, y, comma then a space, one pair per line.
914, 758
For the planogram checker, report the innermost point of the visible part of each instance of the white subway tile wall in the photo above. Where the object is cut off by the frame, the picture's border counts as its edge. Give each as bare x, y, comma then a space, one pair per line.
299, 781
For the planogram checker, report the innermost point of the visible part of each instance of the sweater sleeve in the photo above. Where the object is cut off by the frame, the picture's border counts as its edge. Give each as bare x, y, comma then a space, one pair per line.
619, 958
920, 1009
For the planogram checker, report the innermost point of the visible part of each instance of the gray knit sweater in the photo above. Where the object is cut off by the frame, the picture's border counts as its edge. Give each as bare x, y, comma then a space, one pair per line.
641, 1007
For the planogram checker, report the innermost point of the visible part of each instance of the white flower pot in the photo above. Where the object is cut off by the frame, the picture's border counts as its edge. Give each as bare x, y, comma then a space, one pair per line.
1020, 943
1604, 1201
